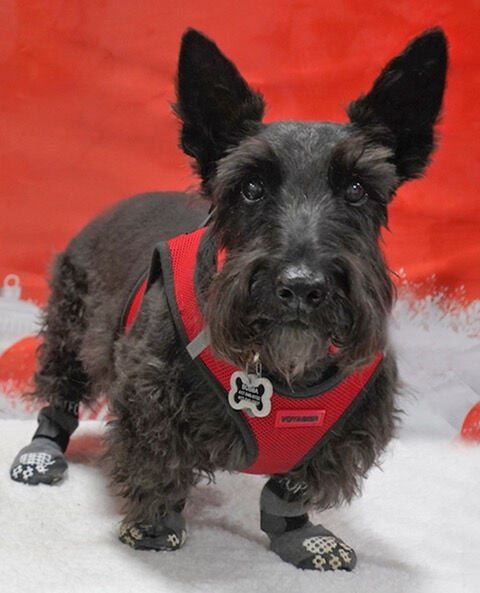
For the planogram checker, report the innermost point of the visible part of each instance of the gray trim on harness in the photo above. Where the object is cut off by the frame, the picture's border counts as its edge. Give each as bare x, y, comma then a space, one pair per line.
199, 343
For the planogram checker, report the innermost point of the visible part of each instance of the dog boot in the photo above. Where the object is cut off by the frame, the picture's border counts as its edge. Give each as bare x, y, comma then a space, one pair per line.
167, 534
294, 538
40, 462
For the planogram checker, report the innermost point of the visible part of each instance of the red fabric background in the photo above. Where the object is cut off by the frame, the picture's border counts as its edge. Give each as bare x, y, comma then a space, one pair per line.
85, 118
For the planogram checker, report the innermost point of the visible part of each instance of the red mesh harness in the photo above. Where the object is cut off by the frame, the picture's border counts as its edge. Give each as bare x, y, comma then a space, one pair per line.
297, 423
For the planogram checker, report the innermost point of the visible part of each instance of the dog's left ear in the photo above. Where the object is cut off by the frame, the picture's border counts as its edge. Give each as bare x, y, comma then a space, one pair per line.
404, 103
215, 104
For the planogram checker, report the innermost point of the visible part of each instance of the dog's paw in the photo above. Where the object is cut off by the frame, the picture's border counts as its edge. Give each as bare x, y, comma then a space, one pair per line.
40, 462
159, 537
314, 548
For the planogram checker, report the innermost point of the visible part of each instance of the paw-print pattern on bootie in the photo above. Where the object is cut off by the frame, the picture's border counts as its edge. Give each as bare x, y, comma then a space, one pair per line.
168, 534
313, 547
329, 553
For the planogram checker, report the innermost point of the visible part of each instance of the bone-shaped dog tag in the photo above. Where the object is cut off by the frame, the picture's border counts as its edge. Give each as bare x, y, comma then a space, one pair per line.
250, 392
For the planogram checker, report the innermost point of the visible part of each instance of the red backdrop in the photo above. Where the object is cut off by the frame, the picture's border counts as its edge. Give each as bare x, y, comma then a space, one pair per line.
85, 118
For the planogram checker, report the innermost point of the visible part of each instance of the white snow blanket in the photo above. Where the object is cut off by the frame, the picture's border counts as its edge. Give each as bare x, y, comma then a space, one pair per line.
416, 528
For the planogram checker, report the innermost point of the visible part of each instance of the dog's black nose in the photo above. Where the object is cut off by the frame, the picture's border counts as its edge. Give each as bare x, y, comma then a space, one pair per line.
298, 287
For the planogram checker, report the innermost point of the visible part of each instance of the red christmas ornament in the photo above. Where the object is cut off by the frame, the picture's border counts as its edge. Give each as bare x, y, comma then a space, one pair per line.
471, 425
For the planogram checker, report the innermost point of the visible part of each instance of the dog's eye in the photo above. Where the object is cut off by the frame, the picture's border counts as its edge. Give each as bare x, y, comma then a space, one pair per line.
356, 194
253, 190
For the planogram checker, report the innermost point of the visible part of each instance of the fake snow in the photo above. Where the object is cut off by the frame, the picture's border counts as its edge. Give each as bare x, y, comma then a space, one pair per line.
415, 528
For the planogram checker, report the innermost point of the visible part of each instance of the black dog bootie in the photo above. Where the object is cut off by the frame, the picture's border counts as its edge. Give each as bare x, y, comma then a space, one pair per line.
293, 537
40, 462
167, 534
313, 547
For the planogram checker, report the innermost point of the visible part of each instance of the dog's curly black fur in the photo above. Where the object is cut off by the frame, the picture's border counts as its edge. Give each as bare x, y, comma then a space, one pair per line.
288, 195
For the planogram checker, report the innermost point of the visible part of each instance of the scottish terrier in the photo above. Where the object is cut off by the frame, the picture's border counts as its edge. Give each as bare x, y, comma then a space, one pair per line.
253, 340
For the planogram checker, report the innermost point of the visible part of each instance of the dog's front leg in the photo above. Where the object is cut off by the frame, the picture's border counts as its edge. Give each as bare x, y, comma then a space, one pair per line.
284, 518
153, 488
150, 463
152, 520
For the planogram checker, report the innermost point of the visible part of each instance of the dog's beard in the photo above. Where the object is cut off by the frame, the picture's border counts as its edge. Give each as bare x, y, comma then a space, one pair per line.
293, 352
287, 351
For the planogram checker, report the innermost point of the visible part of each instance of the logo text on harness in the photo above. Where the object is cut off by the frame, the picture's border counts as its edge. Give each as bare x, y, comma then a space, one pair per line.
296, 418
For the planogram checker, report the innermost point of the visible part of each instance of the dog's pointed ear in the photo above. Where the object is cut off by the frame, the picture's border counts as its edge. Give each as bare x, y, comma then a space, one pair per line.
216, 106
405, 102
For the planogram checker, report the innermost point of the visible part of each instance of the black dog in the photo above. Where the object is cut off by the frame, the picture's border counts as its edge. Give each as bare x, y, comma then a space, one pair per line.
261, 341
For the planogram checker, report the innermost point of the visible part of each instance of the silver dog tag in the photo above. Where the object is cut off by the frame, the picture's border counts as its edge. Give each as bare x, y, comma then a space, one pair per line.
250, 392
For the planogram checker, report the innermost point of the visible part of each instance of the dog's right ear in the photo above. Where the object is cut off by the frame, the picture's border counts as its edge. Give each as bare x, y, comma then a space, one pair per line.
215, 104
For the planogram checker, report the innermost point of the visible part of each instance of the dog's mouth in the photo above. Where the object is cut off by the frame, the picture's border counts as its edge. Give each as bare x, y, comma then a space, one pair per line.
294, 322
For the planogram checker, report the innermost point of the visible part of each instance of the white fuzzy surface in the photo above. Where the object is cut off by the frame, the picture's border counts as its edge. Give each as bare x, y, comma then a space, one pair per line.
416, 528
